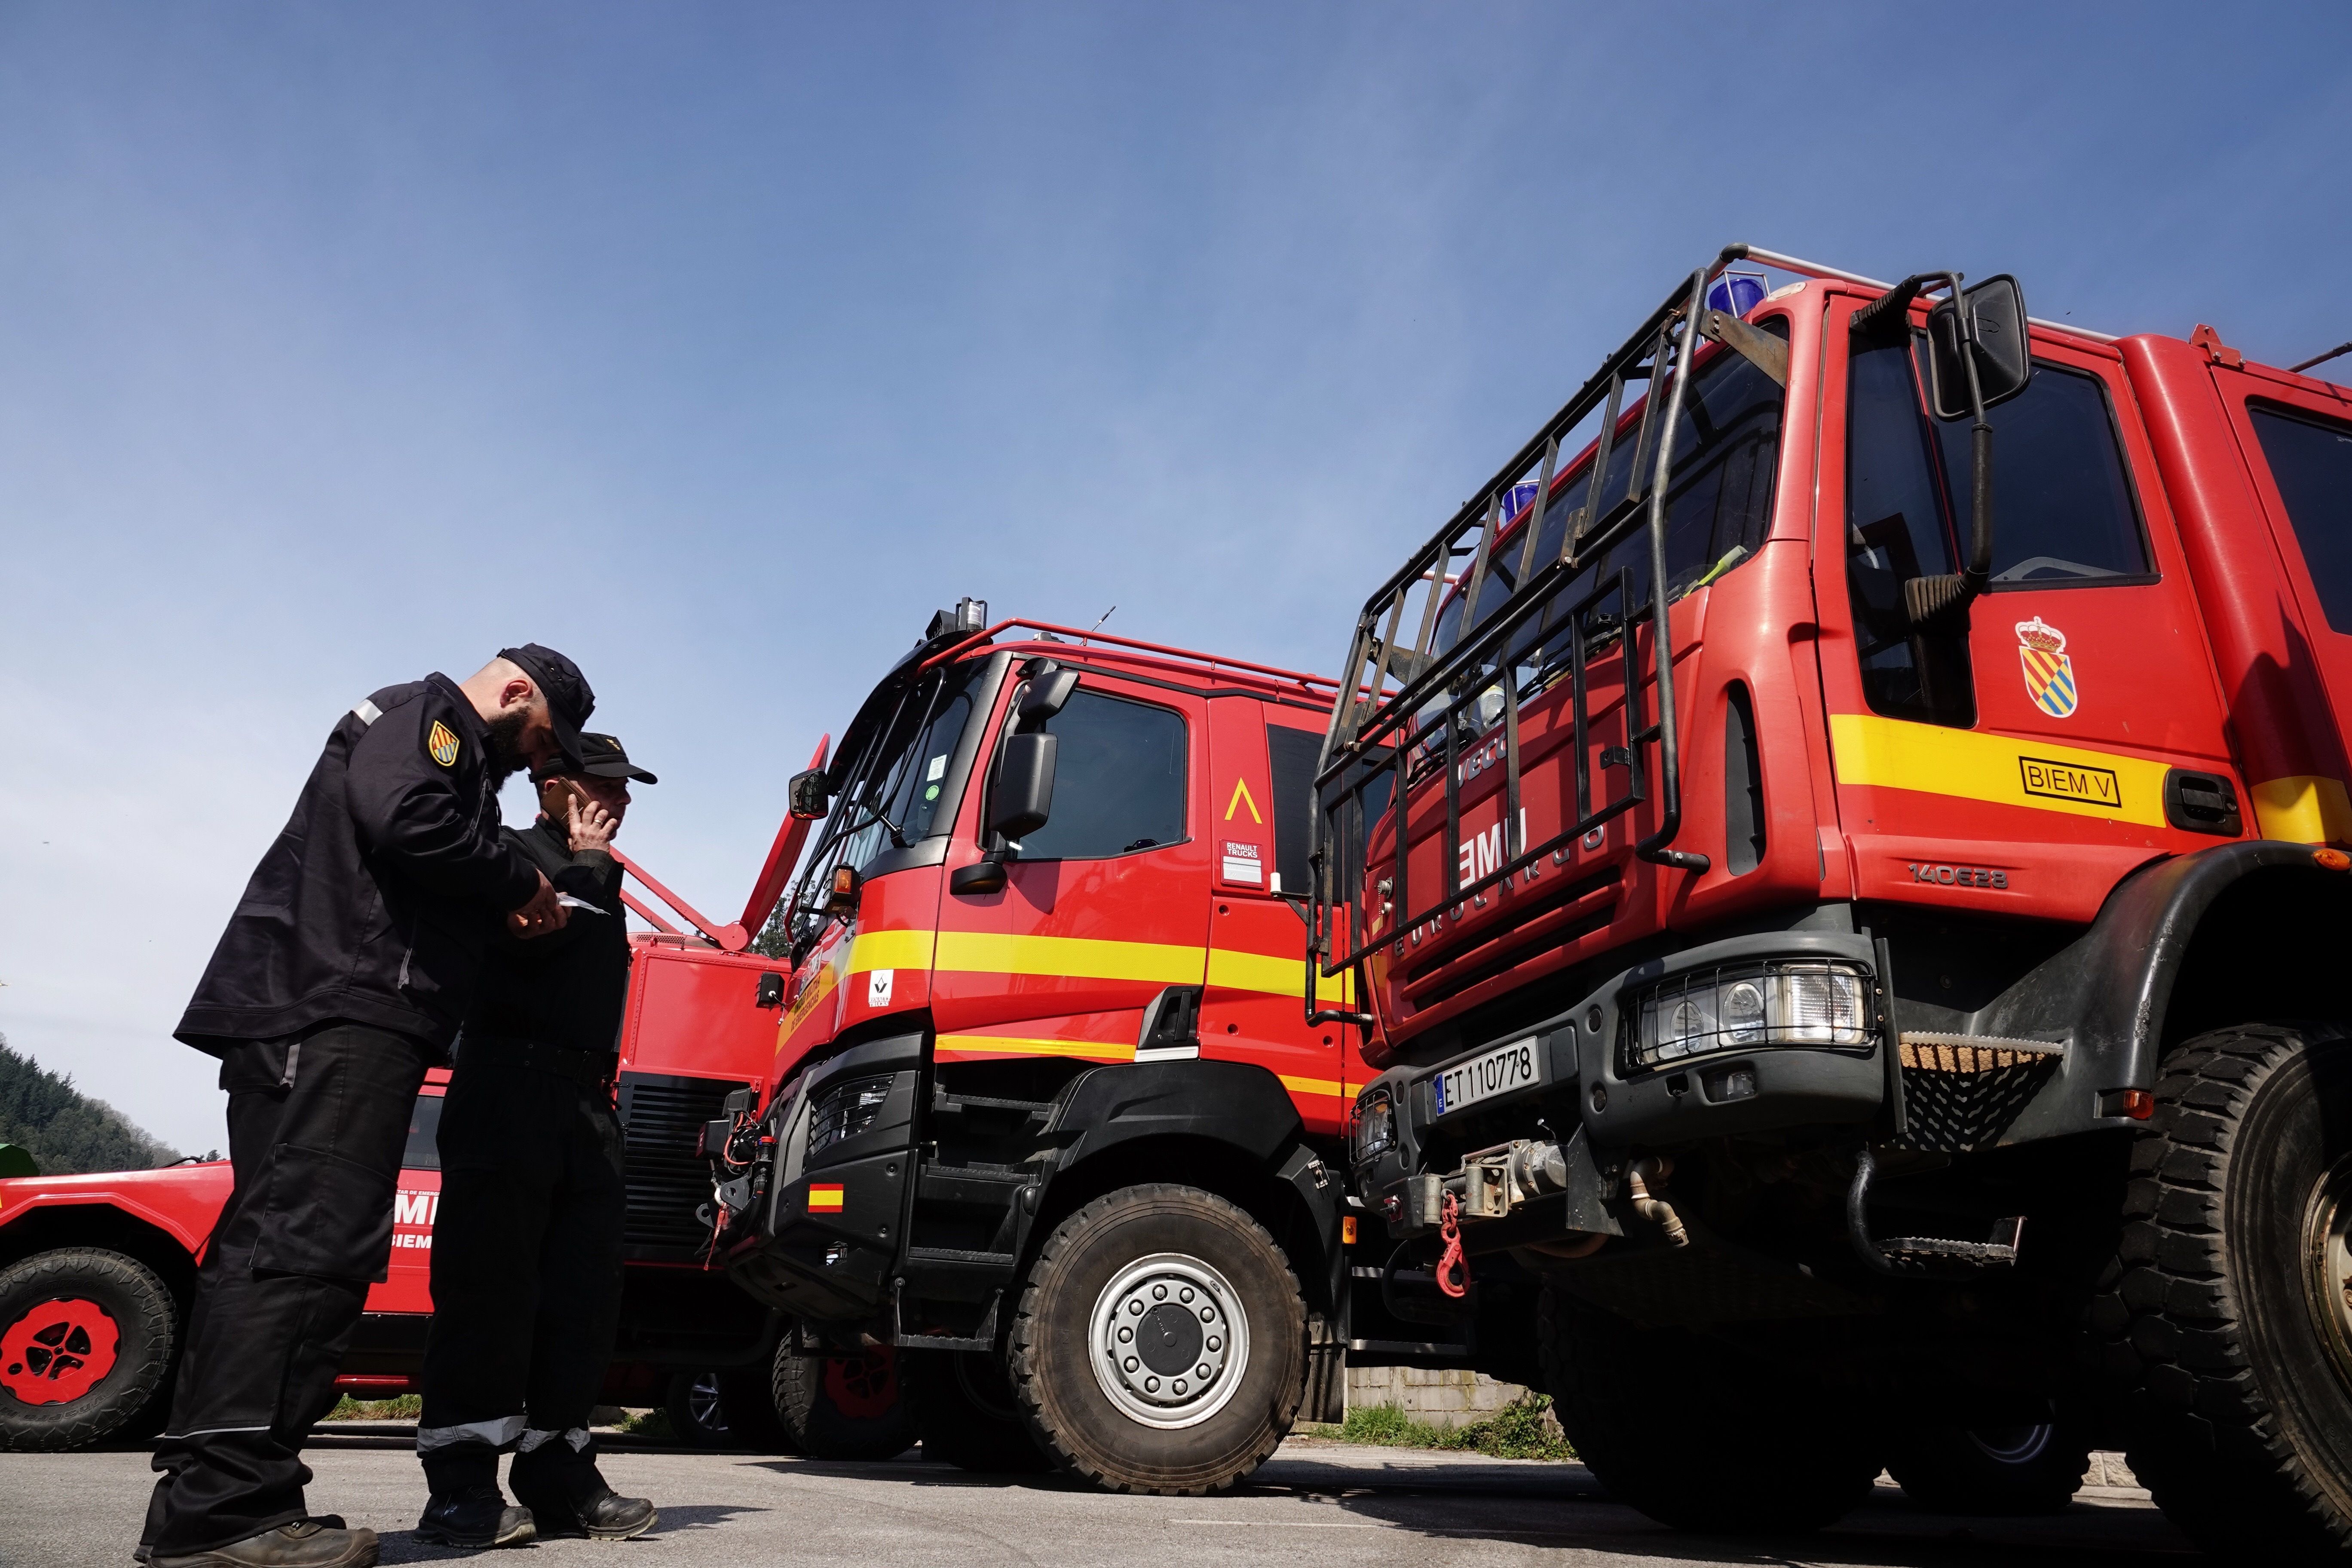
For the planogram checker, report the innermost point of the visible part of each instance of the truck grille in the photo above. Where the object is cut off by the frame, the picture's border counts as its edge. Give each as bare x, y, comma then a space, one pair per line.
661, 1120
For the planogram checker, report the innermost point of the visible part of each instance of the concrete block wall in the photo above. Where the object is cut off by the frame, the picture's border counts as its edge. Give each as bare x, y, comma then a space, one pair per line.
1443, 1396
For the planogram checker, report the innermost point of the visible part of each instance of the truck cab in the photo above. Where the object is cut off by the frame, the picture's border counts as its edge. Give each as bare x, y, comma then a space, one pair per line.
1831, 822
1045, 1058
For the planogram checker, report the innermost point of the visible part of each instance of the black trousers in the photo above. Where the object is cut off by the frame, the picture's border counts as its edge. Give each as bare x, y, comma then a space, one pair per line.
526, 1273
317, 1127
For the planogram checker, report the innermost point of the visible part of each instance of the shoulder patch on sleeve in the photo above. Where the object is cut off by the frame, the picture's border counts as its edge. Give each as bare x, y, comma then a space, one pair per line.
441, 744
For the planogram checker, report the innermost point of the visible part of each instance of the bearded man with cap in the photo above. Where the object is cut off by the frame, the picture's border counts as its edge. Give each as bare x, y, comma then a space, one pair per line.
527, 1237
343, 974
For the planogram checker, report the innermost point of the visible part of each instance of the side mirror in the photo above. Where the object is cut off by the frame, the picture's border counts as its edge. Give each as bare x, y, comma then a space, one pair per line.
1024, 797
1993, 316
979, 877
808, 794
1047, 694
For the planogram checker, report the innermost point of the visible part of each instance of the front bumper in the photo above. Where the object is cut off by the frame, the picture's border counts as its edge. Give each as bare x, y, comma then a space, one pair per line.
1582, 1078
829, 1232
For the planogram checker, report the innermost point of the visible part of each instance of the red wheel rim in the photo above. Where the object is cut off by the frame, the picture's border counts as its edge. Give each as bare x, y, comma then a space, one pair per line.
58, 1351
863, 1386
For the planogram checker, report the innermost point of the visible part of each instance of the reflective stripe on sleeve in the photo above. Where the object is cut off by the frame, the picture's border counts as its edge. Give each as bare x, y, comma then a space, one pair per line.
366, 711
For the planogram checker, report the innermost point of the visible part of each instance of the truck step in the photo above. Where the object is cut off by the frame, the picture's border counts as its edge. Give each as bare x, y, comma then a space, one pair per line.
1935, 1250
959, 1257
966, 1185
946, 1103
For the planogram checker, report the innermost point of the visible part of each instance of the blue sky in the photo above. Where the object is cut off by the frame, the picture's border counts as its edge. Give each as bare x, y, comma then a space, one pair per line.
718, 345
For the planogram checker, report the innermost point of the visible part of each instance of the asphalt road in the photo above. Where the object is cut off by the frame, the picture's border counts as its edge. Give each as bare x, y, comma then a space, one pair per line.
1318, 1502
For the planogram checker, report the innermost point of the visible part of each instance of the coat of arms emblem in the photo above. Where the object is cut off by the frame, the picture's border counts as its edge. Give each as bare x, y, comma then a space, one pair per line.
2049, 673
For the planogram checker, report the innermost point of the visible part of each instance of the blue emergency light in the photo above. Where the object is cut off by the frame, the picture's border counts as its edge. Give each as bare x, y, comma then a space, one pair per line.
1735, 293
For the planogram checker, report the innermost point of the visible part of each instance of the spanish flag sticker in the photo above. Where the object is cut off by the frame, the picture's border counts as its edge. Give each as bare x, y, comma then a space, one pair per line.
441, 745
825, 1198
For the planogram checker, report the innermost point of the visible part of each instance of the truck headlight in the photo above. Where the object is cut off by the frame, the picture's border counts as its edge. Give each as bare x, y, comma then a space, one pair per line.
1375, 1126
847, 1110
1739, 1008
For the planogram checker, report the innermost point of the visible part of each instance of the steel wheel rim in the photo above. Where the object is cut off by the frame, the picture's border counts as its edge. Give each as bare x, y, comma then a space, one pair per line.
1169, 1341
58, 1350
2327, 1264
2014, 1445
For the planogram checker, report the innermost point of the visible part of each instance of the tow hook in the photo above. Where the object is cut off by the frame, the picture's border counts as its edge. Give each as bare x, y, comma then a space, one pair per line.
1452, 1268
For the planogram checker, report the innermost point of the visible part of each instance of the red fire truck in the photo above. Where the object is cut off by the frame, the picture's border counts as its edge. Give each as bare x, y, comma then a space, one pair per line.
96, 1271
1846, 855
1046, 1115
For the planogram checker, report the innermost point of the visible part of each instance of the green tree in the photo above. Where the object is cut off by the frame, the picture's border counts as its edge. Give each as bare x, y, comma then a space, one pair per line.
67, 1131
774, 940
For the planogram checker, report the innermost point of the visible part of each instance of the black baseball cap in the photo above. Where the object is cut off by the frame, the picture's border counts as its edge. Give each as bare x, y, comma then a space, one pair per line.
602, 756
568, 700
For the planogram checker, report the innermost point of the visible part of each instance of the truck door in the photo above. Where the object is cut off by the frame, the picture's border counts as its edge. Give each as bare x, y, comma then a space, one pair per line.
2297, 440
1252, 1010
1101, 911
2025, 757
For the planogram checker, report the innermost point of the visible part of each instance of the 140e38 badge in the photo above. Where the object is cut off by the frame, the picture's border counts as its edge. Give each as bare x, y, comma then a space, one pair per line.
2049, 673
441, 745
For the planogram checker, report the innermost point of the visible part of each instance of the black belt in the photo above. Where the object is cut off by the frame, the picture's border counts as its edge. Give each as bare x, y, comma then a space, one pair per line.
578, 1063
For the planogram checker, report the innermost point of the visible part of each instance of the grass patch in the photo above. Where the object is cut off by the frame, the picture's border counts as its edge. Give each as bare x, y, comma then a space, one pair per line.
1515, 1431
652, 1426
401, 1408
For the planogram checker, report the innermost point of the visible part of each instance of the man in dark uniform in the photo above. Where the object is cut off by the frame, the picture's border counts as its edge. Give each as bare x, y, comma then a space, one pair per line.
527, 1239
342, 975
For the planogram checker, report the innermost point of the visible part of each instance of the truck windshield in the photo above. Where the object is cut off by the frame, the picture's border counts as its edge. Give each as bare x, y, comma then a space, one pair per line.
1718, 510
892, 774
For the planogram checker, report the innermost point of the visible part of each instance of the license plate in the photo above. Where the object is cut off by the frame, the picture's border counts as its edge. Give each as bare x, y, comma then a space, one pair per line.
1486, 1076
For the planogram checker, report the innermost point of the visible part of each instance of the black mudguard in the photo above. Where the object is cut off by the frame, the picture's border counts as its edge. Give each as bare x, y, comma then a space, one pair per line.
2109, 992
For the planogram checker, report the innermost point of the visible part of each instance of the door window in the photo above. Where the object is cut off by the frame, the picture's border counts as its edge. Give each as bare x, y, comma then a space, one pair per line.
2063, 510
2311, 463
1896, 530
1119, 780
2065, 513
1291, 755
424, 1152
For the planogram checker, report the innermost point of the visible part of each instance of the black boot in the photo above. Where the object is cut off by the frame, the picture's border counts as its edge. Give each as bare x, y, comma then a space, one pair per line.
477, 1516
568, 1495
601, 1515
304, 1544
144, 1553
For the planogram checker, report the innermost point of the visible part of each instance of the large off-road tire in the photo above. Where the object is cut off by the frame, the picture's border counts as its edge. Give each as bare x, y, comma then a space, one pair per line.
1680, 1429
746, 1397
1991, 1471
2224, 1323
844, 1406
965, 1410
1130, 1297
86, 1341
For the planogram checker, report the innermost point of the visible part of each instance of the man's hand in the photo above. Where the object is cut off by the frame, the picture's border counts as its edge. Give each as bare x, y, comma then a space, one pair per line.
542, 915
591, 826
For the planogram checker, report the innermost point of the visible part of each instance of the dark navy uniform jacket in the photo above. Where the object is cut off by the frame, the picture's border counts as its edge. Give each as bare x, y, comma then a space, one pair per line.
377, 902
569, 987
